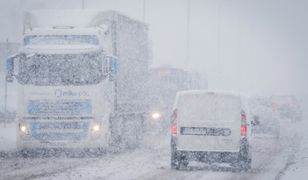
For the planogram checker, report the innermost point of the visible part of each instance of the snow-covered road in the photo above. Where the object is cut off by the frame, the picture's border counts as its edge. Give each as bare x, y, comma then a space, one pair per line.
151, 161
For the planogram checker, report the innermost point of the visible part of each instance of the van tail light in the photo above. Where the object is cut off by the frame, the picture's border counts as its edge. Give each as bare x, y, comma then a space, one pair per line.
174, 122
243, 124
174, 128
243, 131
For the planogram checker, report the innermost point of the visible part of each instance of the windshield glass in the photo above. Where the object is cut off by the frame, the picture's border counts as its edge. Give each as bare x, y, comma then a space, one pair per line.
61, 40
77, 69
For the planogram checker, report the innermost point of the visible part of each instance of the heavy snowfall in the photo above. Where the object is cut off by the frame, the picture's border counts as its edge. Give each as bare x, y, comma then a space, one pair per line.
153, 89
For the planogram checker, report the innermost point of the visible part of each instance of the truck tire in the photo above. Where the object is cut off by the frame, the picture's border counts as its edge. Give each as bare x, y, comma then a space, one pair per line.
24, 153
115, 141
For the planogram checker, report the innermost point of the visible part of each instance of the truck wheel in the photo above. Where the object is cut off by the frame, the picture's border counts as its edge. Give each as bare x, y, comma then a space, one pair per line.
25, 153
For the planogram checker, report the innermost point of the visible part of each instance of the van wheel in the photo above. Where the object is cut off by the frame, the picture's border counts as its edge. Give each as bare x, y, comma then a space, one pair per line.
177, 160
245, 165
175, 163
244, 161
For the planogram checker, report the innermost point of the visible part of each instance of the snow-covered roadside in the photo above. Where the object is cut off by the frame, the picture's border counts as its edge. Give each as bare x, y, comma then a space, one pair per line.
7, 137
297, 167
150, 161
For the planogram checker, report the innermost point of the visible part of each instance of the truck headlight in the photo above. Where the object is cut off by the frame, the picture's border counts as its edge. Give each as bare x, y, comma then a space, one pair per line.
96, 127
156, 115
23, 129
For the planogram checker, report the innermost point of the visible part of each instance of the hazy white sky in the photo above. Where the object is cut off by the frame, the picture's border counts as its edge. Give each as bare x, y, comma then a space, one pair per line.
255, 46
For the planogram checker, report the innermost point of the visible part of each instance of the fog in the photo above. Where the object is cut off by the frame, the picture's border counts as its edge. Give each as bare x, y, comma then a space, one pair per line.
249, 46
255, 47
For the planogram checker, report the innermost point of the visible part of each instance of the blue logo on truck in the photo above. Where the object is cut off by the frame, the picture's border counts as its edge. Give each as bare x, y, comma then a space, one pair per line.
70, 93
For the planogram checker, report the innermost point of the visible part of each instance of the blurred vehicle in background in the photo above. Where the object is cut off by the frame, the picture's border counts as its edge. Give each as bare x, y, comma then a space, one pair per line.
265, 129
265, 119
266, 122
287, 106
274, 119
211, 127
164, 83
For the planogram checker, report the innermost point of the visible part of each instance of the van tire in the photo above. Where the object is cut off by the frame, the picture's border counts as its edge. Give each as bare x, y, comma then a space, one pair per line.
178, 160
175, 163
244, 160
176, 156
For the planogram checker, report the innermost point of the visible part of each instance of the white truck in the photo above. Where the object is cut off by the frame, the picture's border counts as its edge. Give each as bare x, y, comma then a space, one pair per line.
82, 78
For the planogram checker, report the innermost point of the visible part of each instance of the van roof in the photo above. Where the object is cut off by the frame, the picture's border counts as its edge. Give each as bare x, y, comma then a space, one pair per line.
196, 92
217, 92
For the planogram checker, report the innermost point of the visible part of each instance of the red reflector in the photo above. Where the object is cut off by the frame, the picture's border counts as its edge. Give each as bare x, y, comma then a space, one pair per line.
173, 128
243, 131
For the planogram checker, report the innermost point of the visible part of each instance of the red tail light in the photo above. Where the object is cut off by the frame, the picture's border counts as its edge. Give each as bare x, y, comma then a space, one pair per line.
174, 129
243, 130
173, 122
243, 123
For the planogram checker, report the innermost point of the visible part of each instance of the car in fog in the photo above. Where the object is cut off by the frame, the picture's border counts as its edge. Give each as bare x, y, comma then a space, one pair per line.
210, 127
287, 106
266, 120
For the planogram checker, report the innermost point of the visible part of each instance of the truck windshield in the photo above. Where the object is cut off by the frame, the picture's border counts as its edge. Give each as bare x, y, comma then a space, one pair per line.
74, 69
61, 40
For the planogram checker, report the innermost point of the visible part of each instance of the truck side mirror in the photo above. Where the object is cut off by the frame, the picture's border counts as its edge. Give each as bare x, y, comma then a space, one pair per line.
9, 73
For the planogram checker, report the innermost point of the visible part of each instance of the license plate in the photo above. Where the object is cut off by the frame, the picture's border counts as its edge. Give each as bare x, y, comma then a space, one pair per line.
205, 131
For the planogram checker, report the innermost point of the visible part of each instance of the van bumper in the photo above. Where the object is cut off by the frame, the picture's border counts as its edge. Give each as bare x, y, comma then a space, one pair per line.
214, 156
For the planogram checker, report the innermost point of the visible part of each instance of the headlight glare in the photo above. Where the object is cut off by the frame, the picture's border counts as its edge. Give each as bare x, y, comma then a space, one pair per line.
156, 115
96, 128
23, 128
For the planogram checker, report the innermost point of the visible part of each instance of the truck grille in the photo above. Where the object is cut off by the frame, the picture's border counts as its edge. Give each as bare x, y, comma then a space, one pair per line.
59, 131
59, 107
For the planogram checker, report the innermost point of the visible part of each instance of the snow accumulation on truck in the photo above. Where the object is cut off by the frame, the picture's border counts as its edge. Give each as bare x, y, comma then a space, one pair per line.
82, 78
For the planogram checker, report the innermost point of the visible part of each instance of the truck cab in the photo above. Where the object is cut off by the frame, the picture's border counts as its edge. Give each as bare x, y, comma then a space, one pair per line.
67, 84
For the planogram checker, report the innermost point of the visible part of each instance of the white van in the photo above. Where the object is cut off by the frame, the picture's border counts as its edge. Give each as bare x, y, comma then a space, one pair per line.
210, 127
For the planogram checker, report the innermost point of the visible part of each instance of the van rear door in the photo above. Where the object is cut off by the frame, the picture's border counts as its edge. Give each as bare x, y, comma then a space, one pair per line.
209, 122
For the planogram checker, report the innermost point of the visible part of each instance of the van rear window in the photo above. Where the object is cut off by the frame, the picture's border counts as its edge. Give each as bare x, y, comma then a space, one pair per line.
219, 108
